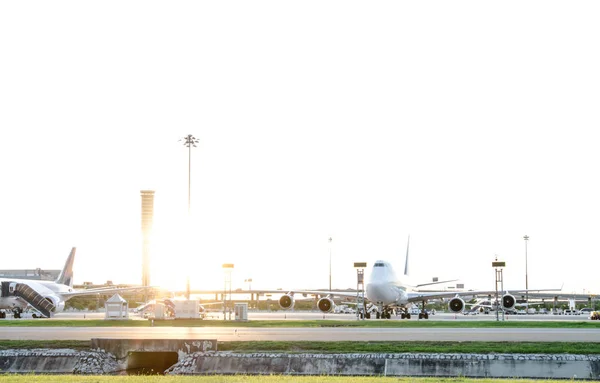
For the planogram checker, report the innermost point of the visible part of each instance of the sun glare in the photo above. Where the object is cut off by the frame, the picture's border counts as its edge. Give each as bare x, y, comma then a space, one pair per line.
176, 256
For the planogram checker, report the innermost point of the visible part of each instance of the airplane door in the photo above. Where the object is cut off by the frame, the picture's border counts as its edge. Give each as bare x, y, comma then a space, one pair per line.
7, 289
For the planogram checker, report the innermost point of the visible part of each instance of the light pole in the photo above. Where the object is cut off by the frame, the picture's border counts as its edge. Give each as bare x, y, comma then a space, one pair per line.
498, 265
227, 269
361, 312
526, 238
330, 263
249, 282
189, 142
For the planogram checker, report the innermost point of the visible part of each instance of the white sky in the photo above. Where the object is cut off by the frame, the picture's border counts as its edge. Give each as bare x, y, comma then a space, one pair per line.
465, 124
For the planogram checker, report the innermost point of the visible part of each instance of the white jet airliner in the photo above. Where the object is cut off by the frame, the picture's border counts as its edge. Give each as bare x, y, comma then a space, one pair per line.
47, 297
387, 294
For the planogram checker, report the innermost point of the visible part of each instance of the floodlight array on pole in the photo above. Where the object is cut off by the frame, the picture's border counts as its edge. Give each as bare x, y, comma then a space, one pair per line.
189, 142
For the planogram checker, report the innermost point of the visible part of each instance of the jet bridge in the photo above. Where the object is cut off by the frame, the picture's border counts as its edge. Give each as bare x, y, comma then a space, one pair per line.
25, 292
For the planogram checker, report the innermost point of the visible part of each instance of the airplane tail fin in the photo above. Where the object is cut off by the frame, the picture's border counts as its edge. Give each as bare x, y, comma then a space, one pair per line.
406, 262
66, 275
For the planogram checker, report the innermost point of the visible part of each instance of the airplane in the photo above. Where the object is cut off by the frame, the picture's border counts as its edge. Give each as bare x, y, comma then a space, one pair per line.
388, 294
46, 297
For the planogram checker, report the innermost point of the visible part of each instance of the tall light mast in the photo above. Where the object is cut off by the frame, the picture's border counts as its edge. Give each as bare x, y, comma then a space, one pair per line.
189, 142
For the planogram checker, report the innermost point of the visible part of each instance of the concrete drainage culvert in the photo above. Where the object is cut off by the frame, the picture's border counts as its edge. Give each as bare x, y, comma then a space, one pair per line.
150, 363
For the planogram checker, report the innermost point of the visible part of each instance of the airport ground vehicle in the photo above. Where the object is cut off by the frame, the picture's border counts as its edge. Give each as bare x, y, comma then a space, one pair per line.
570, 312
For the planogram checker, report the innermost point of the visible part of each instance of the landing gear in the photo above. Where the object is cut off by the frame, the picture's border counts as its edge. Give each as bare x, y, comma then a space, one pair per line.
17, 313
384, 314
380, 313
423, 314
2, 315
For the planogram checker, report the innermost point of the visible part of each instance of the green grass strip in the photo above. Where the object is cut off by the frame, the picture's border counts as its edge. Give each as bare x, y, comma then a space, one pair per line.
83, 345
413, 347
357, 347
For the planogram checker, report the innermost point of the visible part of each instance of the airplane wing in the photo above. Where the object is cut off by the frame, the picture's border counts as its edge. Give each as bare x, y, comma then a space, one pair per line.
436, 283
421, 296
564, 296
108, 290
415, 296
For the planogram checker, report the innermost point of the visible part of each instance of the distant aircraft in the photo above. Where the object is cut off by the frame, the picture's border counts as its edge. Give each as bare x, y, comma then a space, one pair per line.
47, 297
388, 294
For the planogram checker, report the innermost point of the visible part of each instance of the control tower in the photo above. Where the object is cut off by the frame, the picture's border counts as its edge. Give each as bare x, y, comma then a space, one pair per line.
147, 218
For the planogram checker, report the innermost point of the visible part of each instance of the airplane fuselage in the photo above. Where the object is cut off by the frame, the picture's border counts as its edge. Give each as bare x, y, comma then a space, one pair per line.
386, 293
48, 289
384, 287
10, 303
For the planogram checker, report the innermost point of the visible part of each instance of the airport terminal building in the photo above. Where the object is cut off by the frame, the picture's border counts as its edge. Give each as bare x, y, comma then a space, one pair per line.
36, 274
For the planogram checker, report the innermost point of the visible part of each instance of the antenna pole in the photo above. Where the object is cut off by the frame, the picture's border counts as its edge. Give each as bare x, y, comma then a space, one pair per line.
329, 263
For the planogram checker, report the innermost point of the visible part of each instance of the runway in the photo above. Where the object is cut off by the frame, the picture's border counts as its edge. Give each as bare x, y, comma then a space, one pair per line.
304, 334
313, 334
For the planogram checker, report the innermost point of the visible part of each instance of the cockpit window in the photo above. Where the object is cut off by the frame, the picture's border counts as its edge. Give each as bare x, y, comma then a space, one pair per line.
379, 264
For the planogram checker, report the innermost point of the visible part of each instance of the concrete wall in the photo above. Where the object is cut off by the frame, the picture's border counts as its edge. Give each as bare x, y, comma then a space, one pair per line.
62, 361
469, 365
120, 348
206, 363
60, 364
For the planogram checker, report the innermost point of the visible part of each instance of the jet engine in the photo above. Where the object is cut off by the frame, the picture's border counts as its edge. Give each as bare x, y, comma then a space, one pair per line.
508, 301
326, 305
59, 304
286, 301
456, 305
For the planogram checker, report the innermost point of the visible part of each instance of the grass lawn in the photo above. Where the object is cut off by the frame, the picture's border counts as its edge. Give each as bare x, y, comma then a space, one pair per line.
351, 347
